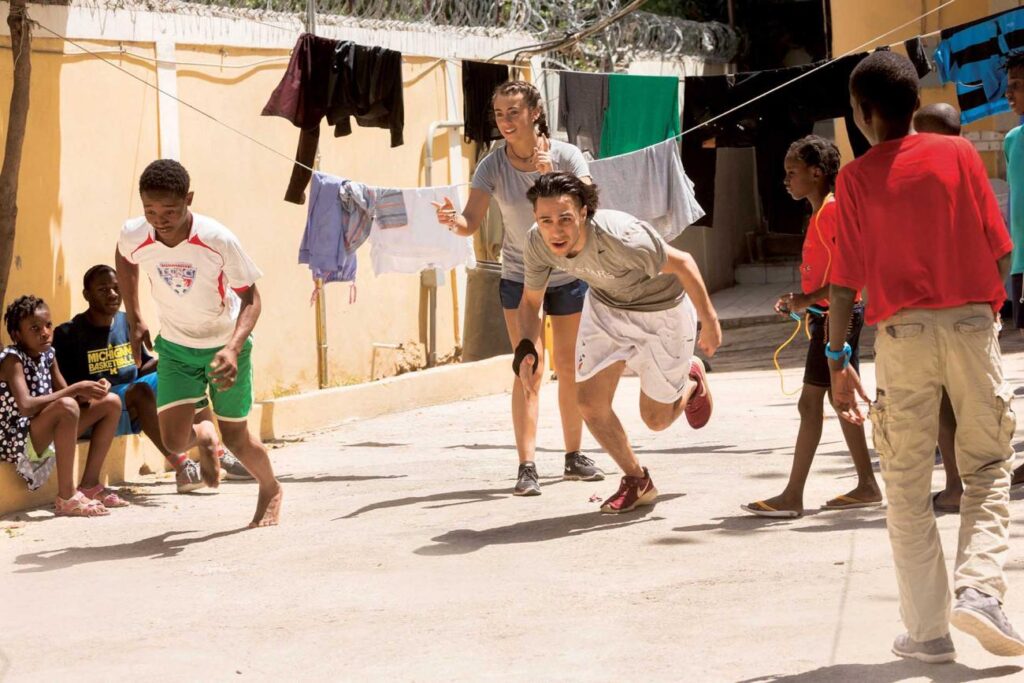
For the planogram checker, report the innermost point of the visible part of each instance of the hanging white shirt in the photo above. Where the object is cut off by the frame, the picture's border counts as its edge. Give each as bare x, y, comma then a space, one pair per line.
422, 243
194, 282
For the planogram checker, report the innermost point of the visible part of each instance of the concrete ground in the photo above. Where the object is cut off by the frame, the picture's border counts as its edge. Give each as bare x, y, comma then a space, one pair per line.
403, 556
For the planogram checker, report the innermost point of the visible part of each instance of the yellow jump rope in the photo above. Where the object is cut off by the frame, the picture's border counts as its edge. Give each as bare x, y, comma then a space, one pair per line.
811, 310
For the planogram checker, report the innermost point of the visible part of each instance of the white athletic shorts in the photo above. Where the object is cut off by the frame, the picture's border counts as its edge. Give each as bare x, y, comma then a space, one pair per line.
656, 345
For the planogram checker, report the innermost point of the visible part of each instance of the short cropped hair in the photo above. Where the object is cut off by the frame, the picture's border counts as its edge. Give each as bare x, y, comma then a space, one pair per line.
93, 273
888, 83
165, 176
561, 183
940, 118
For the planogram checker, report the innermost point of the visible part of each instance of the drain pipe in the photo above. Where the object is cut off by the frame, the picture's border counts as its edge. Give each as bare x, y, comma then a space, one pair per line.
431, 279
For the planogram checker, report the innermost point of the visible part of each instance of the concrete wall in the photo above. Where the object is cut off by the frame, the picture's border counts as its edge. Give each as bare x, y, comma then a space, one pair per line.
92, 129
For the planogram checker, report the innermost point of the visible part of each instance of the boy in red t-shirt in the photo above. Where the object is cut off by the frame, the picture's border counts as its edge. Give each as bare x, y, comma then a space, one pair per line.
811, 167
920, 227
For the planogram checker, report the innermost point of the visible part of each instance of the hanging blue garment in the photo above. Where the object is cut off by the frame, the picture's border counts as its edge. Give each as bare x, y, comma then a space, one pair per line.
972, 55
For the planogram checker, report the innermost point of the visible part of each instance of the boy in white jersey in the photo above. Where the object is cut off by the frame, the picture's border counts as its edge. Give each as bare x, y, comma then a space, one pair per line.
205, 289
641, 310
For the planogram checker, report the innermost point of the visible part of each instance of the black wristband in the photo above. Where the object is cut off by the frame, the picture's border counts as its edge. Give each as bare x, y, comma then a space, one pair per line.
525, 348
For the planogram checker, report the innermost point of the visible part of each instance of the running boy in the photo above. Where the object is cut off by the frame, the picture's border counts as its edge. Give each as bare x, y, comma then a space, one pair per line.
920, 227
205, 289
96, 345
811, 167
639, 311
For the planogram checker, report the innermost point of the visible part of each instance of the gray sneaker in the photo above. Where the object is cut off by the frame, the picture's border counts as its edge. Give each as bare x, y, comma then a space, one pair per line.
527, 484
579, 467
188, 477
232, 466
981, 616
935, 651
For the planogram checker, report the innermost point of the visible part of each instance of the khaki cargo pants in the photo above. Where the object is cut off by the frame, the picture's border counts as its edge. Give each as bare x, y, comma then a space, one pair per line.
917, 353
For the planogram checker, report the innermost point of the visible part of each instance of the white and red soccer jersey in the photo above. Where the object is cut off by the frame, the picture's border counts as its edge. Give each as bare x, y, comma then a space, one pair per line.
194, 283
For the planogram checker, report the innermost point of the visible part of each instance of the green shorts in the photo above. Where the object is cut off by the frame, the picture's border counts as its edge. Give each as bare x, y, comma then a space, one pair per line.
183, 376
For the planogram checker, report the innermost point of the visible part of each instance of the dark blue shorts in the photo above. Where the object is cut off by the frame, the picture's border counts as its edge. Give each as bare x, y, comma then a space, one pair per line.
816, 370
562, 300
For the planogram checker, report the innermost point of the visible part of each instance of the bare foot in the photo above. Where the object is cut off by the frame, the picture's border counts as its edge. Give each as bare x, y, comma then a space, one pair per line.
268, 508
947, 500
209, 467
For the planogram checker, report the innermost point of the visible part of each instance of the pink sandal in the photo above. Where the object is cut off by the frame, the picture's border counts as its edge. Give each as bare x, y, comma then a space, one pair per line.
105, 497
79, 505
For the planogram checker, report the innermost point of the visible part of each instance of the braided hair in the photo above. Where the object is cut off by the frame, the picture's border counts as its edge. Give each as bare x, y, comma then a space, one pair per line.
816, 151
531, 97
19, 309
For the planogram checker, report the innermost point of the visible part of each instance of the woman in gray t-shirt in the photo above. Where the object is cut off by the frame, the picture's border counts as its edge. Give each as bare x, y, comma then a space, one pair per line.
506, 174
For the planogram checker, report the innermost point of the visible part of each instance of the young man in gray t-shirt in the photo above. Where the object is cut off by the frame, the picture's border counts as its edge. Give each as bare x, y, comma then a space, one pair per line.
641, 310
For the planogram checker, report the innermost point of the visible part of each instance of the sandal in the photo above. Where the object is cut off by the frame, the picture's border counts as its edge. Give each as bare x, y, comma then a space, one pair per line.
79, 505
845, 502
763, 509
104, 496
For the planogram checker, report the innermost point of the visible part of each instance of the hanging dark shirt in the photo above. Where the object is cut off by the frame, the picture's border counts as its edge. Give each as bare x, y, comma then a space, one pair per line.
770, 124
336, 80
479, 80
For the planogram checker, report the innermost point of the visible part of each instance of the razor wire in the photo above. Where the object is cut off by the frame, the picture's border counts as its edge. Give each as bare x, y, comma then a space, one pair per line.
637, 35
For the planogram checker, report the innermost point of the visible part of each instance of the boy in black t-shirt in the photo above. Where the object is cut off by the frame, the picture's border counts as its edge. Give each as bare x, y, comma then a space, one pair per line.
96, 344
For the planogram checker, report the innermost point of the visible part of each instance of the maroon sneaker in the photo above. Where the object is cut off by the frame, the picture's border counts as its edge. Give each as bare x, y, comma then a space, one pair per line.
698, 408
633, 492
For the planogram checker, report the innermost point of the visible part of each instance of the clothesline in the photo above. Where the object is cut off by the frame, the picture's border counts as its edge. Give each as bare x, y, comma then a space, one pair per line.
293, 162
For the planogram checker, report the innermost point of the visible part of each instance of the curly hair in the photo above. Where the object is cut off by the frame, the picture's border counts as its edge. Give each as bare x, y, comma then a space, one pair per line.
165, 176
531, 96
888, 83
18, 310
561, 183
816, 151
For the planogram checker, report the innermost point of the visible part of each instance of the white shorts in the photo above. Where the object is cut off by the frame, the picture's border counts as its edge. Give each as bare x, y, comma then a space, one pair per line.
656, 345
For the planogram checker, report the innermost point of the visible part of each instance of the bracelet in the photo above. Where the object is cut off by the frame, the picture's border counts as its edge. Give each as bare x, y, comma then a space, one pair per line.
843, 355
524, 349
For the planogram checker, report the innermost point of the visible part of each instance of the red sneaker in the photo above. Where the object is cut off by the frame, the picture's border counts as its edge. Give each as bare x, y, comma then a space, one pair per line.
633, 492
698, 408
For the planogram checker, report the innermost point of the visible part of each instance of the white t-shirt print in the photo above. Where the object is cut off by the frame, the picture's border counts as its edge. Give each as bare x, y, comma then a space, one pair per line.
194, 283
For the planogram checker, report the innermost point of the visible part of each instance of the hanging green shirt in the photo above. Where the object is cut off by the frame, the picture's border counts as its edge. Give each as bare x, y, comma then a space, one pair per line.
642, 111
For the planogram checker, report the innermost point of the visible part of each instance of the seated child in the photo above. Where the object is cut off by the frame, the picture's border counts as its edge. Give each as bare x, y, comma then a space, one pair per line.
41, 415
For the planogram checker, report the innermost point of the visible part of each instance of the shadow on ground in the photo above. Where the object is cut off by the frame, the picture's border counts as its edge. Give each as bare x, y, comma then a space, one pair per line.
443, 500
891, 672
154, 548
464, 541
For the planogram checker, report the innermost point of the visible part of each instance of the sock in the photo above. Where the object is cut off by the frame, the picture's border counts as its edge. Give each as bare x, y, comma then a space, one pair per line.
177, 460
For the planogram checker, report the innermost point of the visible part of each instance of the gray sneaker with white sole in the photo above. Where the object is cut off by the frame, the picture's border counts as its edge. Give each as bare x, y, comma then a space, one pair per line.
233, 467
188, 477
982, 616
935, 651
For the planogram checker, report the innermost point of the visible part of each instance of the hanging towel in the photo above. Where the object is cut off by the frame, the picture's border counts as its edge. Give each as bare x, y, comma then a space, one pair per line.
479, 79
642, 111
651, 185
972, 55
340, 219
582, 101
422, 243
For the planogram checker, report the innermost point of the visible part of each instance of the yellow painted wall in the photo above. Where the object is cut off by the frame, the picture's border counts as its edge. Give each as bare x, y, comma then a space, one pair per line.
855, 22
92, 130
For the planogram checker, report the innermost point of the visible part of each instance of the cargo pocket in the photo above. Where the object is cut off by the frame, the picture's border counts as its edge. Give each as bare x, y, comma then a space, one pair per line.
1007, 418
975, 324
879, 416
904, 330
